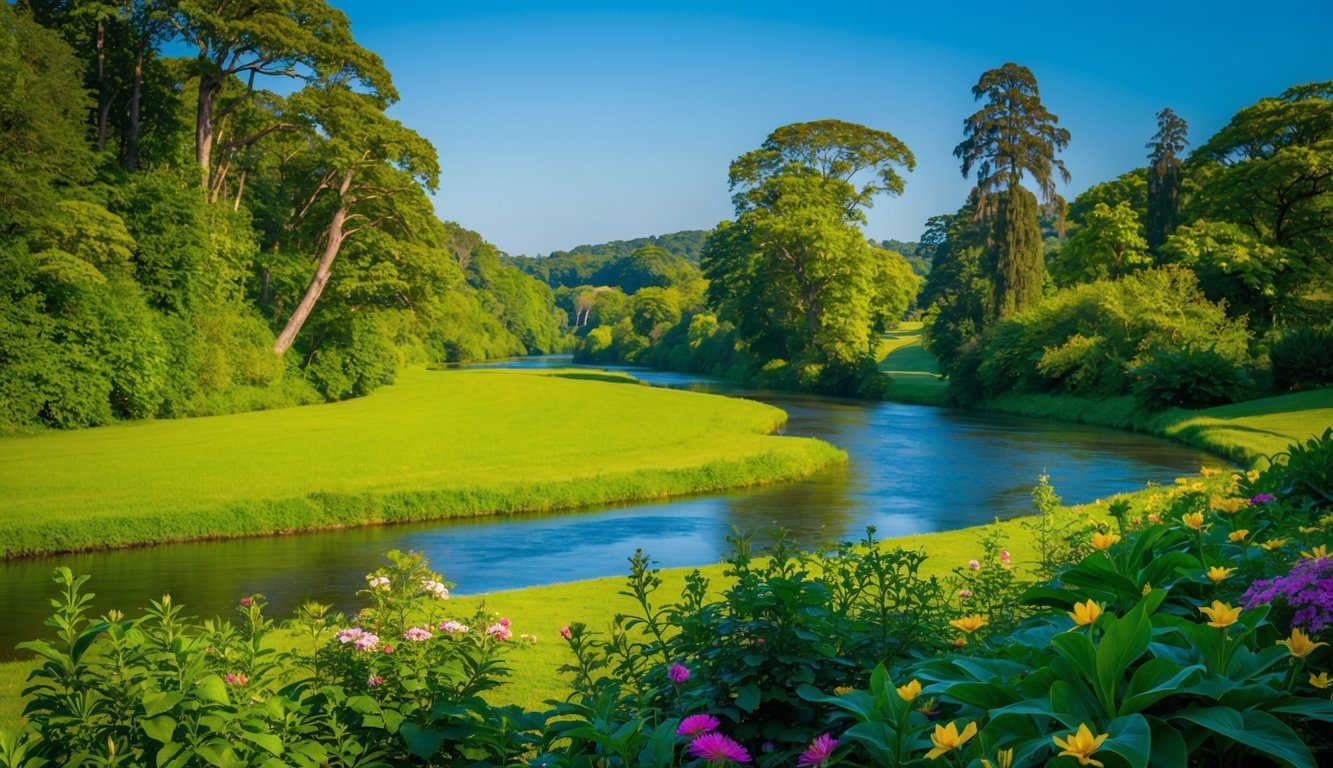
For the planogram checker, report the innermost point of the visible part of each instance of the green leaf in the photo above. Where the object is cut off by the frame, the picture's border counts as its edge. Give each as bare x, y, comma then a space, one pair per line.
981, 695
1131, 738
1155, 679
254, 732
1073, 703
1253, 730
158, 702
1168, 746
1077, 648
160, 728
422, 742
1124, 641
212, 689
747, 697
86, 639
1313, 709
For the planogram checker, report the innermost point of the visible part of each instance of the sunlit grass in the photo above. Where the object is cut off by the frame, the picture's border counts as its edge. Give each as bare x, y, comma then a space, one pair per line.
436, 444
913, 372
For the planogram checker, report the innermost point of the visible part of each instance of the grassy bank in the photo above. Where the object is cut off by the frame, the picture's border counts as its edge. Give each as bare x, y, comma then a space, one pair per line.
437, 444
914, 377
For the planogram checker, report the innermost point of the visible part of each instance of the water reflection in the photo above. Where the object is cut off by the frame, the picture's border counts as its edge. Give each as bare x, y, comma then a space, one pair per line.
912, 469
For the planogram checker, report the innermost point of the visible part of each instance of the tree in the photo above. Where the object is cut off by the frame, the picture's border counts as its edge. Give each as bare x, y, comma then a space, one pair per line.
1012, 136
1108, 244
359, 161
1164, 176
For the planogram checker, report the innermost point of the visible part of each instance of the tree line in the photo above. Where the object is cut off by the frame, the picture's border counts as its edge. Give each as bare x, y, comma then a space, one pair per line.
206, 208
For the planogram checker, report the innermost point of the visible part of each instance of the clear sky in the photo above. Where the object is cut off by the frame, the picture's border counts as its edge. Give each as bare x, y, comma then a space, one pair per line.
560, 124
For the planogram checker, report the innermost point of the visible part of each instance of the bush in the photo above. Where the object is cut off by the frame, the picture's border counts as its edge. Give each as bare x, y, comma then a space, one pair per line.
1302, 358
1188, 378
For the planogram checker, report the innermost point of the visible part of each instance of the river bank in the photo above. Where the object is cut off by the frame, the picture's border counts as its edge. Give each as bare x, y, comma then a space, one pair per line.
438, 444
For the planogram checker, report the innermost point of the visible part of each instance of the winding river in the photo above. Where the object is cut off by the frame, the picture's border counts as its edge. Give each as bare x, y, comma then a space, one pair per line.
912, 469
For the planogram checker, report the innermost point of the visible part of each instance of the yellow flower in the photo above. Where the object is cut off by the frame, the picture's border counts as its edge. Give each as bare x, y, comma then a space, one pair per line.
1193, 520
970, 624
1309, 529
1321, 681
843, 690
910, 691
1005, 758
1299, 644
1273, 544
1209, 471
1222, 615
1085, 613
1317, 553
1218, 574
1081, 744
947, 738
1103, 541
1226, 506
1147, 587
1238, 536
1252, 475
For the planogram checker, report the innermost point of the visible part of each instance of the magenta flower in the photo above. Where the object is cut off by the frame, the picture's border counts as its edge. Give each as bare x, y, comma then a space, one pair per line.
500, 631
565, 633
678, 673
1263, 498
245, 602
236, 679
718, 749
374, 680
695, 725
819, 751
388, 649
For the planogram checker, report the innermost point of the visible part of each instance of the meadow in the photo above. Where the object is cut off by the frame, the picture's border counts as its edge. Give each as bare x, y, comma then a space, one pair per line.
437, 444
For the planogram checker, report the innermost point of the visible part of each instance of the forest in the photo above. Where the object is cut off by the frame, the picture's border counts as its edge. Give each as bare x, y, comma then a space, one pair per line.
206, 209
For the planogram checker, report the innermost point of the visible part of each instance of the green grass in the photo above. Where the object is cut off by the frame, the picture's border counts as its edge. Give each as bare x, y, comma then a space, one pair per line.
436, 444
914, 375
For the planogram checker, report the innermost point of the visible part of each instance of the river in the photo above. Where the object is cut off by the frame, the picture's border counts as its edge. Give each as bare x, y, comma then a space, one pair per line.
911, 469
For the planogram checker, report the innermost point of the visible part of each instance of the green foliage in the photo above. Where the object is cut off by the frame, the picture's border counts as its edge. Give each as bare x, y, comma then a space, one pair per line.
1013, 256
1130, 188
1164, 177
1302, 358
1188, 377
1234, 266
1089, 338
1108, 243
1303, 474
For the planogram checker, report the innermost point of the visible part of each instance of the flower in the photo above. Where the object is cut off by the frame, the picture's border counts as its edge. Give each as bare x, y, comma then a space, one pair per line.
499, 632
1307, 589
1273, 544
1085, 614
1004, 758
417, 634
378, 582
236, 679
245, 602
1308, 529
843, 690
1081, 744
1208, 471
1004, 559
565, 633
1316, 553
910, 691
453, 627
974, 565
435, 588
365, 641
1299, 643
819, 751
1222, 615
1103, 541
503, 622
718, 749
678, 673
374, 680
1263, 498
970, 624
1226, 506
697, 724
1218, 574
948, 738
1237, 537
1321, 681
349, 635
1193, 520
964, 593
388, 649
1154, 518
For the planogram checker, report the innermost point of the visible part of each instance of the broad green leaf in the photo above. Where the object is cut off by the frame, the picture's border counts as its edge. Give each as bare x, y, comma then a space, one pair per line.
1155, 679
160, 728
1073, 703
1168, 746
212, 689
1253, 730
422, 742
1131, 738
747, 697
982, 695
158, 702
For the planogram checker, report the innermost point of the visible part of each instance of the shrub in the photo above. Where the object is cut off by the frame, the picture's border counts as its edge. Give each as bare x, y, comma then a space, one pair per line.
1302, 358
1189, 377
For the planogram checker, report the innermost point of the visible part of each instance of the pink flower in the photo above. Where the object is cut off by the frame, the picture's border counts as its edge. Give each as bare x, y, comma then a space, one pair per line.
245, 602
236, 679
349, 635
503, 622
435, 588
819, 751
565, 633
974, 565
453, 627
499, 632
365, 641
964, 593
388, 649
718, 749
374, 680
1004, 554
697, 724
1153, 518
417, 634
678, 673
378, 582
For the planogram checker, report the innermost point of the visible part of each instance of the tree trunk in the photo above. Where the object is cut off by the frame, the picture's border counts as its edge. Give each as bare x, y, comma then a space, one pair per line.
321, 278
132, 142
240, 188
103, 103
203, 126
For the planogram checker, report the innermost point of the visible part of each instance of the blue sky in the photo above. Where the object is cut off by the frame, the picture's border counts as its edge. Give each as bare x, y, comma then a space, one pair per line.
566, 123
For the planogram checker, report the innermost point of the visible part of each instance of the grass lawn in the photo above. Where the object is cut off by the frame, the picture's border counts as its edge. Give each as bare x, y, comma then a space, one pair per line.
436, 444
913, 372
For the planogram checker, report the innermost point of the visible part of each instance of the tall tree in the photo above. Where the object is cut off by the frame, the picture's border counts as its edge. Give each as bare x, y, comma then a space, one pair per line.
246, 39
358, 164
1012, 136
1164, 177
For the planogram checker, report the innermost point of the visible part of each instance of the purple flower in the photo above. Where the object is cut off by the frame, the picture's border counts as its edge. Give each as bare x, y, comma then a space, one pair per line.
374, 680
678, 673
1307, 589
718, 749
695, 725
1263, 498
819, 751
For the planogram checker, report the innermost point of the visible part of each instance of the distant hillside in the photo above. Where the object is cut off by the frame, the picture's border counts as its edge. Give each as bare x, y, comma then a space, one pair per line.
920, 264
580, 265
